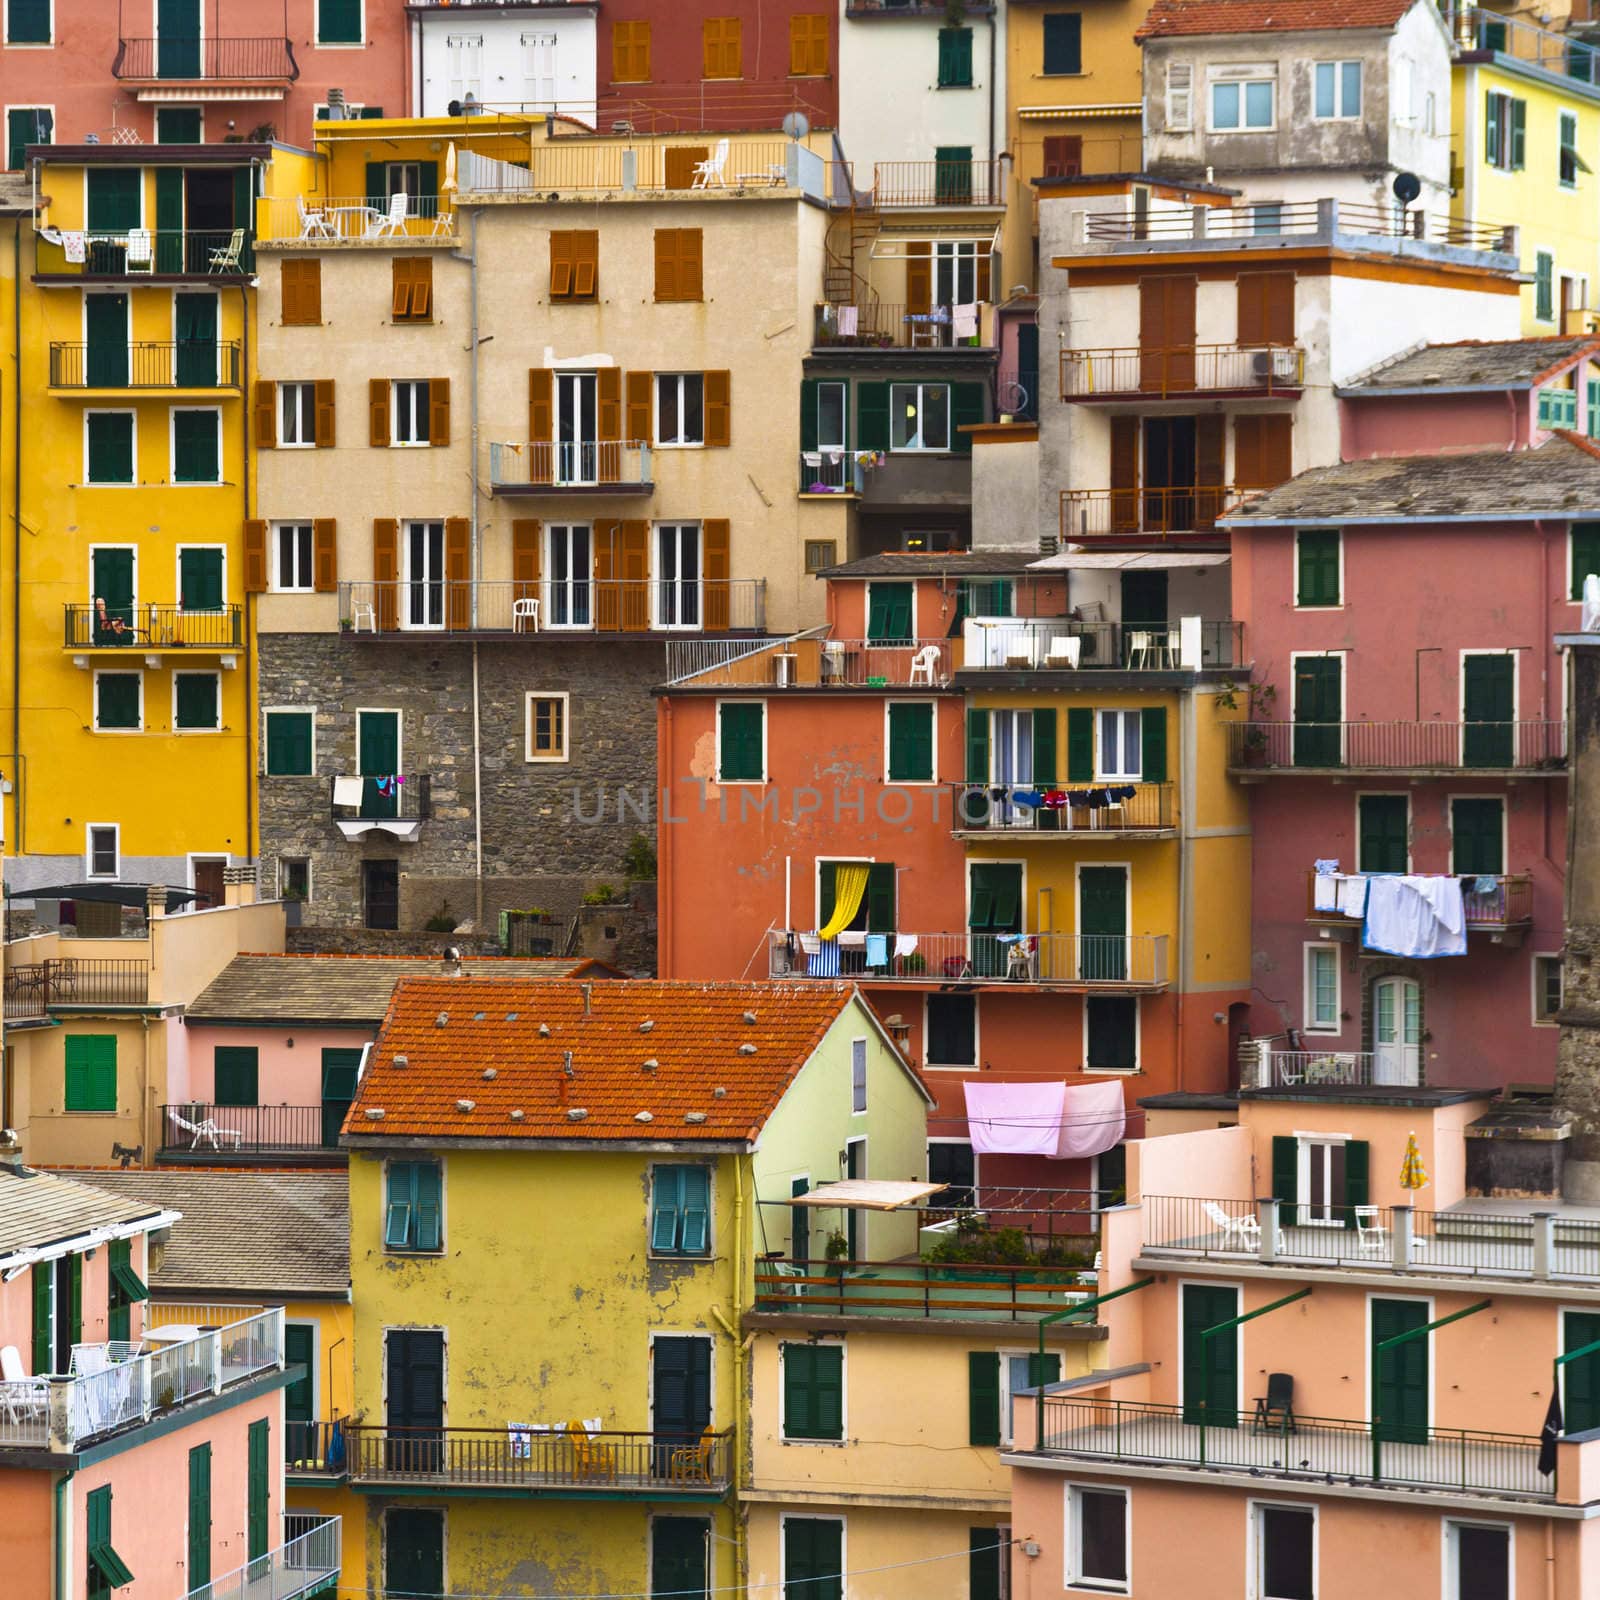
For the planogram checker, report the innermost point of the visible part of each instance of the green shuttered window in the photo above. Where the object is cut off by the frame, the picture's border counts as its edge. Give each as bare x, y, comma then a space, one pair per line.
199, 1573
91, 1060
110, 447
1317, 567
117, 700
911, 742
680, 1211
197, 701
813, 1558
338, 21
200, 578
955, 58
1585, 547
1153, 744
984, 1564
1383, 840
741, 741
196, 448
24, 126
44, 1316
889, 607
679, 1556
983, 1397
1080, 744
413, 1208
875, 914
107, 1570
235, 1072
27, 22
813, 1391
1063, 43
289, 735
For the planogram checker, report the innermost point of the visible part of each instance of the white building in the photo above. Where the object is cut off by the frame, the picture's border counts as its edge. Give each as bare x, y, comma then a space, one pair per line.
507, 55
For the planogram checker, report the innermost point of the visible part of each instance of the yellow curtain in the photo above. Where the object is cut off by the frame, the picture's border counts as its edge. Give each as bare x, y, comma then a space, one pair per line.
849, 884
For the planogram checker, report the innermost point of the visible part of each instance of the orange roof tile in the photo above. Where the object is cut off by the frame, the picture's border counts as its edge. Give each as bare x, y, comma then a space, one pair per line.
649, 1060
1168, 18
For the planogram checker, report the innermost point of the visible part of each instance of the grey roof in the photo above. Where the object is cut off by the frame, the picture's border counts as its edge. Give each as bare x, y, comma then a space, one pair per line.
38, 1209
352, 990
936, 564
1472, 364
276, 1235
16, 194
1560, 480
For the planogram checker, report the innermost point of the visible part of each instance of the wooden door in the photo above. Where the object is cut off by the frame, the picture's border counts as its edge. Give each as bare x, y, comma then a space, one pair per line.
1210, 1366
1400, 1375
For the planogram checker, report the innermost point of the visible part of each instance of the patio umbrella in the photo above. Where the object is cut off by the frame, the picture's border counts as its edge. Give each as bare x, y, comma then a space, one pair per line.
449, 180
1413, 1175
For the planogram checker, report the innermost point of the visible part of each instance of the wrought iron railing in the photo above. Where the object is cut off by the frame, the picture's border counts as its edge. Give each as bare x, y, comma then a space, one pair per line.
141, 252
153, 627
1448, 746
1489, 900
314, 1447
194, 1126
938, 183
1186, 369
584, 464
33, 987
1090, 960
1106, 807
1088, 515
879, 326
1060, 644
976, 1292
263, 60
831, 472
191, 364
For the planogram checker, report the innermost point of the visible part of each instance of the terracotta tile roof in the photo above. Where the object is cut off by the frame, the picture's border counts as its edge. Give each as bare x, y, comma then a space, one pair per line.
38, 1210
1171, 18
650, 1060
934, 564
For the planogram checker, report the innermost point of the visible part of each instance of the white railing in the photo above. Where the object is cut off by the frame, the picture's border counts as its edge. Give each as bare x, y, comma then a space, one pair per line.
25, 1412
688, 658
353, 219
299, 1565
1094, 961
1295, 1069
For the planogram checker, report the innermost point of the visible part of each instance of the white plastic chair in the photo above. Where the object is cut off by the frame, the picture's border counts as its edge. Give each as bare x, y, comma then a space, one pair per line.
925, 665
393, 220
1243, 1231
833, 669
1140, 644
314, 221
361, 612
206, 1129
141, 250
524, 611
444, 224
1064, 651
1372, 1238
705, 171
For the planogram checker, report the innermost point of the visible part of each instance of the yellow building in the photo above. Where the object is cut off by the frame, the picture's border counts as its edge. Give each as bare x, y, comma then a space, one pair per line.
553, 1194
1526, 152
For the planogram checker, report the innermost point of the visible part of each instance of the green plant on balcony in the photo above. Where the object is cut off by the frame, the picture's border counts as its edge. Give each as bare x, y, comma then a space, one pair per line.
973, 1244
639, 859
837, 1247
601, 895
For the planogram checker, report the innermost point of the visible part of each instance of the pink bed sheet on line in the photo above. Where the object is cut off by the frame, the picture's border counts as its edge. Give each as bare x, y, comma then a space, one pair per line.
1044, 1119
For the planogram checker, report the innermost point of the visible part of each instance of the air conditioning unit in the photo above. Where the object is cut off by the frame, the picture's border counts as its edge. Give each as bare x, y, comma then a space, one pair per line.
1275, 366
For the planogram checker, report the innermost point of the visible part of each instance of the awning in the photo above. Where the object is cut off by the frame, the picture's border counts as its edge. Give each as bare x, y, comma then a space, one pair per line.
117, 894
867, 1194
1128, 561
1099, 113
889, 243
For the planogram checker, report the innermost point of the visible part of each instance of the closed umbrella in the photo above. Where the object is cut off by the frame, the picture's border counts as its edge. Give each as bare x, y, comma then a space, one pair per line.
1413, 1175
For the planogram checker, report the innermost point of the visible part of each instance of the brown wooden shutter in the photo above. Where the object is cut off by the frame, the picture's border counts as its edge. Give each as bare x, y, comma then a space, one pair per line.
1247, 451
691, 281
666, 263
266, 414
732, 47
525, 558
1251, 310
1124, 474
325, 413
710, 47
608, 405
919, 278
561, 265
289, 295
719, 407
301, 284
422, 289
1277, 449
1266, 308
378, 411
438, 411
984, 266
1063, 155
607, 596
799, 46
679, 162
634, 562
715, 565
541, 424
255, 555
639, 427
585, 263
1210, 470
458, 573
1166, 333
400, 289
324, 555
385, 568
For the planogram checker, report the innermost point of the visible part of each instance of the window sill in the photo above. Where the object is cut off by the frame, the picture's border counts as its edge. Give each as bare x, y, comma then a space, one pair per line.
415, 1255
955, 86
1112, 1072
680, 444
955, 1067
700, 1258
827, 1444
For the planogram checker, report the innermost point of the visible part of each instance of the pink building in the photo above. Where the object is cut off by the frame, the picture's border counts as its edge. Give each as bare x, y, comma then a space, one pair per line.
1406, 713
148, 1462
190, 71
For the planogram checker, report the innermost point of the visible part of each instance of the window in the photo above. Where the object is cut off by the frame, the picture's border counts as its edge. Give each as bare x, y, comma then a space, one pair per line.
1546, 988
919, 416
108, 447
200, 577
910, 741
680, 408
118, 702
106, 1569
813, 1558
1285, 1552
301, 284
952, 1163
1477, 843
680, 1210
1322, 989
235, 1075
678, 575
831, 415
1477, 1561
294, 877
955, 58
952, 1031
1383, 828
1242, 105
1111, 1033
1097, 1539
1180, 97
410, 412
722, 47
742, 741
91, 1063
821, 554
412, 289
26, 125
679, 264
547, 727
680, 1563
1544, 297
1023, 1371
858, 1076
808, 46
813, 1391
197, 702
891, 613
196, 445
567, 589
339, 21
290, 744
630, 52
1336, 92
103, 850
1063, 43
1318, 559
179, 125
1505, 131
1585, 540
575, 262
1120, 745
292, 570
297, 416
29, 21
413, 1209
1568, 159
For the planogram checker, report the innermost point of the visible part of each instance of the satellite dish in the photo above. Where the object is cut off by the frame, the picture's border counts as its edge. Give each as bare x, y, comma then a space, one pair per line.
797, 125
1407, 186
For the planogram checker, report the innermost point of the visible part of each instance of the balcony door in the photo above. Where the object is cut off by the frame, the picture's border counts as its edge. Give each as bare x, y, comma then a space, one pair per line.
378, 756
414, 1397
994, 909
1580, 1395
1400, 1378
300, 1350
195, 327
569, 569
111, 579
105, 332
680, 1395
1397, 1030
338, 1090
577, 447
1318, 711
1210, 1366
1488, 710
1166, 334
1103, 924
178, 33
678, 575
424, 576
413, 1551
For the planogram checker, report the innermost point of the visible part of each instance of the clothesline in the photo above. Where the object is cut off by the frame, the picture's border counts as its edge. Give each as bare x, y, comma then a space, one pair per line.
1074, 799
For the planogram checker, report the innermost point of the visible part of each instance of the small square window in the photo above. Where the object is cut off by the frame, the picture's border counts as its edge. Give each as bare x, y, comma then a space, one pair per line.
1317, 563
680, 1210
108, 438
290, 736
118, 702
412, 1221
1336, 91
680, 408
103, 850
547, 727
821, 554
197, 702
294, 877
411, 291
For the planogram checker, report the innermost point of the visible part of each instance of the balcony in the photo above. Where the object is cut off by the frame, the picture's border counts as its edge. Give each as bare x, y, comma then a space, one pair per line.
93, 369
155, 64
1132, 373
1149, 1434
1096, 962
542, 1457
810, 661
1329, 1069
915, 1289
889, 327
1135, 517
1105, 811
924, 184
314, 1452
1060, 644
153, 629
581, 608
198, 1130
831, 472
35, 989
145, 253
856, 9
1527, 748
395, 803
1494, 903
306, 1561
327, 221
62, 1414
589, 468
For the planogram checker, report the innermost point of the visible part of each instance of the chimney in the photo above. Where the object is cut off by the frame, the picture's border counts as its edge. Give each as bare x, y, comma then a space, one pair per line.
239, 886
10, 1150
900, 1031
155, 901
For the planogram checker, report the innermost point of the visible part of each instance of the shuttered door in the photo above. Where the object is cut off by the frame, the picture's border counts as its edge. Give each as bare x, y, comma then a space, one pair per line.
199, 1571
1318, 736
378, 756
413, 1552
680, 1390
1124, 474
1400, 1375
195, 316
1103, 923
813, 1551
1210, 1366
678, 1564
995, 908
1166, 334
105, 323
1488, 701
338, 1090
1580, 1378
414, 1361
1210, 474
1383, 844
258, 1490
1477, 835
983, 1398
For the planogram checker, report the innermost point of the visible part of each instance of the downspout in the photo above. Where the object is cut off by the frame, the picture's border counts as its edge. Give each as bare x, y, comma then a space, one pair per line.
741, 1553
1189, 754
16, 531
477, 799
249, 609
666, 930
993, 57
477, 572
59, 1552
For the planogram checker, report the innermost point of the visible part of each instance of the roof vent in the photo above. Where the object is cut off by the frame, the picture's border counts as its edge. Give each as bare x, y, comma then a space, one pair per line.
511, 1016
440, 1020
747, 1049
576, 1114
478, 1016
750, 1016
694, 1116
646, 1025
650, 1064
374, 1113
567, 1066
719, 1093
401, 1061
644, 1116
466, 1105
516, 1116
544, 1029
490, 1074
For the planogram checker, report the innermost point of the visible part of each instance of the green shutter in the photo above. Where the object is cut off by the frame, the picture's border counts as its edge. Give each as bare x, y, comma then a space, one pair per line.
955, 58
1356, 1163
289, 744
1519, 134
44, 1301
91, 1069
798, 1415
33, 125
910, 743
169, 219
200, 579
827, 1380
1043, 1369
199, 700
427, 1184
741, 727
1477, 834
115, 199
813, 1558
234, 1075
1285, 1177
111, 447
889, 607
116, 700
952, 174
1153, 744
194, 447
117, 1301
678, 1565
1080, 744
977, 745
259, 1486
338, 21
1317, 582
966, 407
983, 1397
1491, 128
983, 1564
666, 1208
880, 897
28, 22
1044, 745
1383, 824
75, 1304
808, 413
199, 1573
103, 1559
872, 416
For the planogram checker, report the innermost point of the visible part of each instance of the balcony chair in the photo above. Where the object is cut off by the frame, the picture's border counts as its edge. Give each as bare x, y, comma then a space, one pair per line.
693, 1464
1372, 1238
141, 250
1149, 649
315, 223
1275, 1409
1237, 1232
206, 1129
591, 1458
23, 1398
706, 171
1064, 651
444, 224
925, 665
363, 613
393, 221
226, 258
524, 616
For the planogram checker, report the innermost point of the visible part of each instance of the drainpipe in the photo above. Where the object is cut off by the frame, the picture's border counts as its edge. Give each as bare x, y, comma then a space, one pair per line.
59, 1552
741, 1552
477, 799
16, 530
477, 574
993, 56
248, 652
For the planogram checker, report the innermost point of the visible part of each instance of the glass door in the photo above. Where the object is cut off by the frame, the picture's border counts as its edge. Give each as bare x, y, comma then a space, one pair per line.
568, 584
1397, 1030
1011, 747
424, 576
577, 449
678, 575
1322, 1183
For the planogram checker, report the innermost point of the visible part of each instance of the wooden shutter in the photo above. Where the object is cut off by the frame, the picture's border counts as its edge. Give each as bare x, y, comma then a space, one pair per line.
438, 411
630, 52
255, 555
608, 395
1124, 474
637, 391
983, 1564
560, 265
257, 1531
302, 293
1063, 155
324, 555
585, 263
1247, 451
719, 408
1265, 308
385, 567
808, 46
691, 275
983, 1398
1285, 1177
324, 413
715, 566
798, 1368
458, 572
525, 558
1519, 134
1080, 744
266, 414
607, 596
678, 162
422, 285
1044, 745
1180, 97
1357, 1164
633, 562
541, 424
872, 416
977, 745
919, 278
1209, 470
666, 263
1153, 744
400, 288
1277, 448
378, 412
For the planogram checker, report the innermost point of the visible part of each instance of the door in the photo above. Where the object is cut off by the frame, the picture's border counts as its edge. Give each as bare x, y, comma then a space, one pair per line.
198, 1573
1397, 1030
678, 576
177, 38
68, 1307
414, 1387
105, 328
195, 319
1103, 924
679, 1557
413, 1552
208, 884
995, 909
258, 1489
1488, 710
1318, 703
338, 1090
1210, 1366
111, 579
1580, 1379
568, 581
299, 1350
799, 1222
1321, 1184
680, 1389
1400, 1375
378, 756
855, 1166
424, 576
539, 72
577, 448
380, 892
1027, 403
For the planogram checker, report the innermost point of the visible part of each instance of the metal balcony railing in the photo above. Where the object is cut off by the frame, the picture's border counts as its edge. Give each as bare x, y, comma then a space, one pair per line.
307, 1561
591, 464
314, 1447
1060, 644
141, 252
879, 326
937, 183
1186, 369
1090, 960
195, 364
1090, 515
328, 220
967, 1291
195, 1126
831, 472
1105, 807
264, 60
1333, 1068
1477, 28
32, 988
1439, 746
153, 627
394, 797
1490, 900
